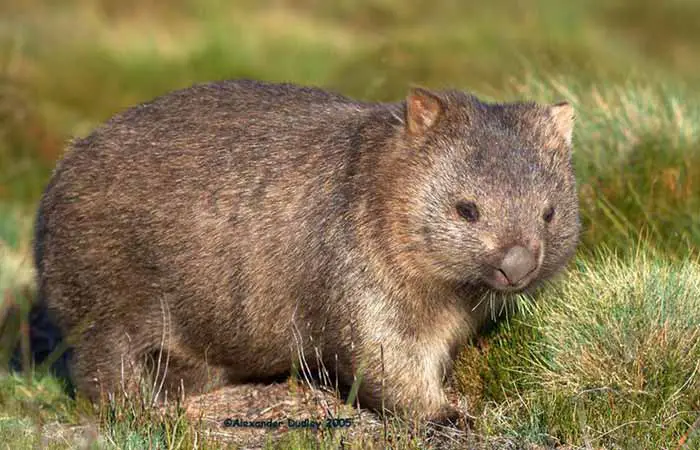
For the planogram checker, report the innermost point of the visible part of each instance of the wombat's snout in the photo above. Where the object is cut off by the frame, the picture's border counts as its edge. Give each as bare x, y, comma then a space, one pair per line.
515, 268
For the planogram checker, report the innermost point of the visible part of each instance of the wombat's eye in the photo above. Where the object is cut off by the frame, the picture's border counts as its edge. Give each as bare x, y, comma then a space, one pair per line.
548, 214
468, 211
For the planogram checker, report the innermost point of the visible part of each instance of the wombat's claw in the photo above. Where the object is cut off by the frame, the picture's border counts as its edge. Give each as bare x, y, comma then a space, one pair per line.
451, 417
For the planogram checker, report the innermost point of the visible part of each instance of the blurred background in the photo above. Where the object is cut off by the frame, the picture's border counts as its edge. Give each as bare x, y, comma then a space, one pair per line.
632, 69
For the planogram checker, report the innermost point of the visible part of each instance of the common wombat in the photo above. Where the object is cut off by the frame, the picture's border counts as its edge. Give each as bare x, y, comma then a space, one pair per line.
241, 226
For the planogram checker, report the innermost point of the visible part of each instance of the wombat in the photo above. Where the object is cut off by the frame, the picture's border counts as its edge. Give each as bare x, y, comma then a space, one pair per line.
232, 230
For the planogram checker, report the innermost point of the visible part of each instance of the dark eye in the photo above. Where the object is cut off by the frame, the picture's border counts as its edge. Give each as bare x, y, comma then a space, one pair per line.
468, 211
548, 214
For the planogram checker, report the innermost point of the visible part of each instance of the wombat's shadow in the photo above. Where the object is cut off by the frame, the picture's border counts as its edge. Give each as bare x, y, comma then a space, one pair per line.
48, 352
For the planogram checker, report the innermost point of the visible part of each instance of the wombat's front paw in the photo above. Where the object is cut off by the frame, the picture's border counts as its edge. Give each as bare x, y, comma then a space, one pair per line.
450, 416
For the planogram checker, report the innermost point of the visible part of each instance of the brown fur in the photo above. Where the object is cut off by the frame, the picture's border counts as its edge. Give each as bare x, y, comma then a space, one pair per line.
238, 225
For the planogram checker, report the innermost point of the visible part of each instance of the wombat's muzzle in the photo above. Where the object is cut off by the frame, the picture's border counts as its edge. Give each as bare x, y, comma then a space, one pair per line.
515, 270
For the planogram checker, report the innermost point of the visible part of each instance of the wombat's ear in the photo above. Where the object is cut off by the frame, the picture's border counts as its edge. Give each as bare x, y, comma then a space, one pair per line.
423, 109
563, 115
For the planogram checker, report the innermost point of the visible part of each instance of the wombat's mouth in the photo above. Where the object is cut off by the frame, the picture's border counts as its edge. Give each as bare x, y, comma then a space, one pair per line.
498, 280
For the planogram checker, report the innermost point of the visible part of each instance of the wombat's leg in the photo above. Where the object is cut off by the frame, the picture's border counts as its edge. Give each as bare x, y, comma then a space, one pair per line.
105, 363
407, 384
120, 363
177, 374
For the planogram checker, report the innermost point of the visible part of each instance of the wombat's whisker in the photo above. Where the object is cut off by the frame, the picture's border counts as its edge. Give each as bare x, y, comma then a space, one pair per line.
481, 300
492, 305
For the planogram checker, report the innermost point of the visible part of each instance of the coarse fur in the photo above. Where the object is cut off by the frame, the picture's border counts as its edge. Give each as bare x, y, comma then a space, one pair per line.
224, 231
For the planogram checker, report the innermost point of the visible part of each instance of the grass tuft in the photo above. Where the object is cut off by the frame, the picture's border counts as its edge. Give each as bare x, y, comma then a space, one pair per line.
610, 357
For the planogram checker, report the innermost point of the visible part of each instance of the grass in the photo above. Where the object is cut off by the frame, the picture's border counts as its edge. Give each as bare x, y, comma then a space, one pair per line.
611, 357
605, 358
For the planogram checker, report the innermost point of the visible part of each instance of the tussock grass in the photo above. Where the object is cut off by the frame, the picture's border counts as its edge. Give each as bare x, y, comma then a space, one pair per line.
637, 159
16, 270
609, 358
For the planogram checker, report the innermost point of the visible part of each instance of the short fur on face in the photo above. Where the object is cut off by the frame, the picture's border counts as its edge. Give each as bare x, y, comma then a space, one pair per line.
512, 162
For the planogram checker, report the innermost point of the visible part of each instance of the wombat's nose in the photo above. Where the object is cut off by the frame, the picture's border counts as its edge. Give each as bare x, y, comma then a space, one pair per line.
517, 264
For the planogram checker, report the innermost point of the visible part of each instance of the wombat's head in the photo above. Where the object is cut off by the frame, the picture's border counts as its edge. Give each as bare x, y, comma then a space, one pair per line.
484, 194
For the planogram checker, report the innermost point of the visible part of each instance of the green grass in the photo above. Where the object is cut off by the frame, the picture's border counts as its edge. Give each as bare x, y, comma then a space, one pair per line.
606, 358
610, 357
